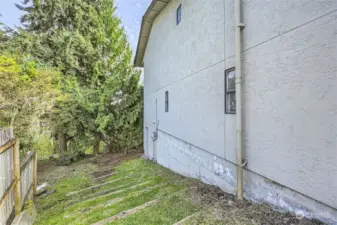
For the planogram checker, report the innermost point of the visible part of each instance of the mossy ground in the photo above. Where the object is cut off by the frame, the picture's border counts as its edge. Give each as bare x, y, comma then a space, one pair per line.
138, 182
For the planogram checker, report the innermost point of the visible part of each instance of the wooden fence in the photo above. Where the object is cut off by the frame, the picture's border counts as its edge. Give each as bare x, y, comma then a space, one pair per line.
18, 179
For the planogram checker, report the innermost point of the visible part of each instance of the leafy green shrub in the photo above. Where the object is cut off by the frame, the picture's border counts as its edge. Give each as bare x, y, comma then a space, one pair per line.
44, 146
67, 158
28, 92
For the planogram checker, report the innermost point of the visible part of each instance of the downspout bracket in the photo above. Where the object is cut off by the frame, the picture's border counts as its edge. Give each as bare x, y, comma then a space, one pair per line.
241, 25
244, 163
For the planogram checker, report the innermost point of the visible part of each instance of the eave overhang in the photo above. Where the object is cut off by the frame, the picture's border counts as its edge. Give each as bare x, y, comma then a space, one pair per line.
151, 13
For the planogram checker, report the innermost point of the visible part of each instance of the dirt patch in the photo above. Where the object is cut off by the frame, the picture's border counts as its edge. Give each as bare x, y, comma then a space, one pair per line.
45, 166
102, 173
228, 210
210, 193
108, 160
99, 166
49, 171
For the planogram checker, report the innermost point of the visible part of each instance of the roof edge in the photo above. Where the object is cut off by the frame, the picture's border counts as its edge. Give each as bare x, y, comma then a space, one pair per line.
154, 9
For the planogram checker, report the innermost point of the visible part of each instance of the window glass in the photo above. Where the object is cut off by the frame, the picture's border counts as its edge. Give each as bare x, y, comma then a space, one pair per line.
231, 81
230, 100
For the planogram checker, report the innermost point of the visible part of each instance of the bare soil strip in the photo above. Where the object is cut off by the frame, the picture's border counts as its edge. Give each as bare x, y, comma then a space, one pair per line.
105, 176
102, 172
92, 188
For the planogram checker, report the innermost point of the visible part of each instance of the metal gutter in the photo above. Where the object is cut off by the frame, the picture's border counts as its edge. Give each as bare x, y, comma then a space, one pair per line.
151, 13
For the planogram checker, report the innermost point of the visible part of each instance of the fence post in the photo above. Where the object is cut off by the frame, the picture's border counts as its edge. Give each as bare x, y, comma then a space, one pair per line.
35, 174
17, 174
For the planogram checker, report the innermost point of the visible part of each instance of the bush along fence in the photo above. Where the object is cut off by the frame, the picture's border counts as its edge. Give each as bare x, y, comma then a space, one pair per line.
18, 179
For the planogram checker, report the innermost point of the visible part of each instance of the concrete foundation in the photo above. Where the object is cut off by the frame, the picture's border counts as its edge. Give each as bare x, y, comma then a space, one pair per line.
191, 161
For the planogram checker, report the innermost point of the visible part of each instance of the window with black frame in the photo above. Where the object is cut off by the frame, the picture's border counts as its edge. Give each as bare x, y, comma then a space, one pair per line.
230, 101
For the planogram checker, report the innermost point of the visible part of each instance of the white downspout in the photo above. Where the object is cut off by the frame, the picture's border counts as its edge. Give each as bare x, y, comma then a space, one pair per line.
238, 78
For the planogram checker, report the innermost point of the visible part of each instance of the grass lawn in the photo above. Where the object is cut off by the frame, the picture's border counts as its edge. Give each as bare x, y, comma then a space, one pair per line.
136, 182
140, 192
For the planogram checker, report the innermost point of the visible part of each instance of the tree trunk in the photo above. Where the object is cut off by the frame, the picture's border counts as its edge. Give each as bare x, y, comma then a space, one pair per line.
62, 142
96, 144
56, 145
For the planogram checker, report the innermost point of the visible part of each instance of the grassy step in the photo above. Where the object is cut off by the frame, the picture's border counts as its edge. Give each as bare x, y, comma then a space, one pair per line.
73, 214
132, 211
96, 196
63, 204
102, 172
120, 179
118, 188
110, 196
166, 212
92, 188
104, 189
128, 203
105, 176
62, 188
86, 210
127, 213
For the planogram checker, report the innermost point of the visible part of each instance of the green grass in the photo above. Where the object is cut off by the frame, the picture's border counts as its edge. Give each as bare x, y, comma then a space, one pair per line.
128, 203
102, 199
165, 212
140, 181
63, 187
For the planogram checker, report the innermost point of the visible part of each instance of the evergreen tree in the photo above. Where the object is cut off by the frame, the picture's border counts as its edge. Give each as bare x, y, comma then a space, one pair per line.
85, 39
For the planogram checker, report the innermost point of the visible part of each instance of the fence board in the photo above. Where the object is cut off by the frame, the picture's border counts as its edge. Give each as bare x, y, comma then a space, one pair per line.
7, 177
27, 177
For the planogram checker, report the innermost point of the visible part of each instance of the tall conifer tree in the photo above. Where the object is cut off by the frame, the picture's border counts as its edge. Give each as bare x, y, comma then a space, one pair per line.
86, 40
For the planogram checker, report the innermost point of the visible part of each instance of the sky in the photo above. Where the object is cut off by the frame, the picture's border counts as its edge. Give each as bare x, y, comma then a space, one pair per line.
130, 11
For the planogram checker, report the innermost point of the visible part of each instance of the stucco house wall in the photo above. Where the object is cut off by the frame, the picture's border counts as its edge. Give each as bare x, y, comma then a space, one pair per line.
290, 89
195, 84
289, 99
